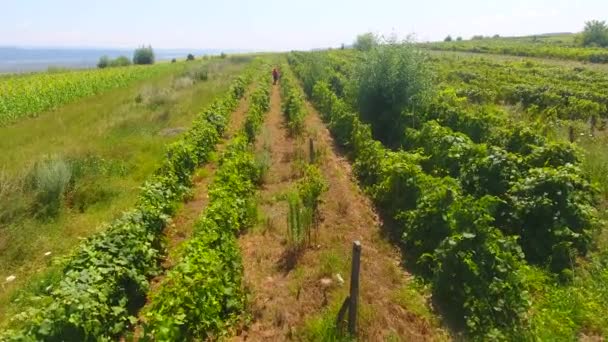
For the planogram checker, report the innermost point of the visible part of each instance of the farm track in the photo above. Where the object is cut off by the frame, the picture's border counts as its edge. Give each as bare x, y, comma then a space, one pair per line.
181, 228
284, 292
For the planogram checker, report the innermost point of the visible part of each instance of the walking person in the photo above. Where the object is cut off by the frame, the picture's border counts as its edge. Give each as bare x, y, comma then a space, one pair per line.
275, 76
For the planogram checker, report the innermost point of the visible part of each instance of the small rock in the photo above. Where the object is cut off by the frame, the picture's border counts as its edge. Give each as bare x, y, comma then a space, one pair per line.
47, 254
169, 132
10, 278
339, 279
326, 282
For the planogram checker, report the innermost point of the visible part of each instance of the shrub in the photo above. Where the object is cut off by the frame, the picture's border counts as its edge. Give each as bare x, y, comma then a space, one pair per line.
554, 207
390, 80
202, 75
49, 179
365, 42
223, 55
173, 60
595, 33
190, 57
448, 39
477, 276
143, 55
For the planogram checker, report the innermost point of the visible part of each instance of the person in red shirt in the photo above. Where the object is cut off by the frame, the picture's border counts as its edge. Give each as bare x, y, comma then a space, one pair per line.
275, 75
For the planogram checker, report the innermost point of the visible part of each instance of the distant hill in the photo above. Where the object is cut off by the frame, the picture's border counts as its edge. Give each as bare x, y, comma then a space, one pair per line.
27, 59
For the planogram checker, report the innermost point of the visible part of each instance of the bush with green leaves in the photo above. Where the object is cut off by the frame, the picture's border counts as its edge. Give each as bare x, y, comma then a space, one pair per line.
120, 61
477, 275
105, 62
555, 209
366, 41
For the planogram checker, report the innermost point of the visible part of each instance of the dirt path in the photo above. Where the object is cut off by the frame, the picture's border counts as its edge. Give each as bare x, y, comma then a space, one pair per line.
284, 298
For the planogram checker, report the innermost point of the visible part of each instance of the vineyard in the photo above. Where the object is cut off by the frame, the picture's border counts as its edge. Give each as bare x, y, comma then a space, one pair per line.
558, 47
476, 186
483, 206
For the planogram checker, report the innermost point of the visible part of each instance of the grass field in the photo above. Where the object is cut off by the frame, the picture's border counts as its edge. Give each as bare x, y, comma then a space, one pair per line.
102, 148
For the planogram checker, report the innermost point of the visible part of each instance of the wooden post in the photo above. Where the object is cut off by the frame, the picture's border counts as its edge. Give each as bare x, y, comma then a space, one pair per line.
571, 133
311, 151
354, 289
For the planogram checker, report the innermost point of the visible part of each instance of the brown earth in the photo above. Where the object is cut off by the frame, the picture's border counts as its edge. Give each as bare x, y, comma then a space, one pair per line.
287, 291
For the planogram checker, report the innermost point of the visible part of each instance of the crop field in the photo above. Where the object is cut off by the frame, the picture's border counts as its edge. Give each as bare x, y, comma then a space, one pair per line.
28, 95
203, 200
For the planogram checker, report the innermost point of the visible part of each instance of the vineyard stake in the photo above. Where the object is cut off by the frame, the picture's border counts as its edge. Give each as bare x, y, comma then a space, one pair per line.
354, 289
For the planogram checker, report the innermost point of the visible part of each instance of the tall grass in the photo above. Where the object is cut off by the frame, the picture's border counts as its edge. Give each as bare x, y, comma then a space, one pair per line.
49, 180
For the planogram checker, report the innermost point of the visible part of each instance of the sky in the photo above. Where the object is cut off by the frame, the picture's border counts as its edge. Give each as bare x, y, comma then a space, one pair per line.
277, 25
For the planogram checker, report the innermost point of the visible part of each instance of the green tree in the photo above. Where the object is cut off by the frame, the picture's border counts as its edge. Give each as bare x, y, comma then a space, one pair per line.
190, 57
391, 81
144, 55
458, 39
448, 39
595, 33
104, 62
120, 61
366, 41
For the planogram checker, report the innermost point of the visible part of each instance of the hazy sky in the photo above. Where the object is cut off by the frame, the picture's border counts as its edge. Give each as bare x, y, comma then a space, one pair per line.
277, 24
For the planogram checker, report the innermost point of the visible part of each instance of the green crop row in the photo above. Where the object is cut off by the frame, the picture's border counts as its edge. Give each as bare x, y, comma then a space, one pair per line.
293, 103
22, 96
471, 198
259, 105
203, 294
105, 281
